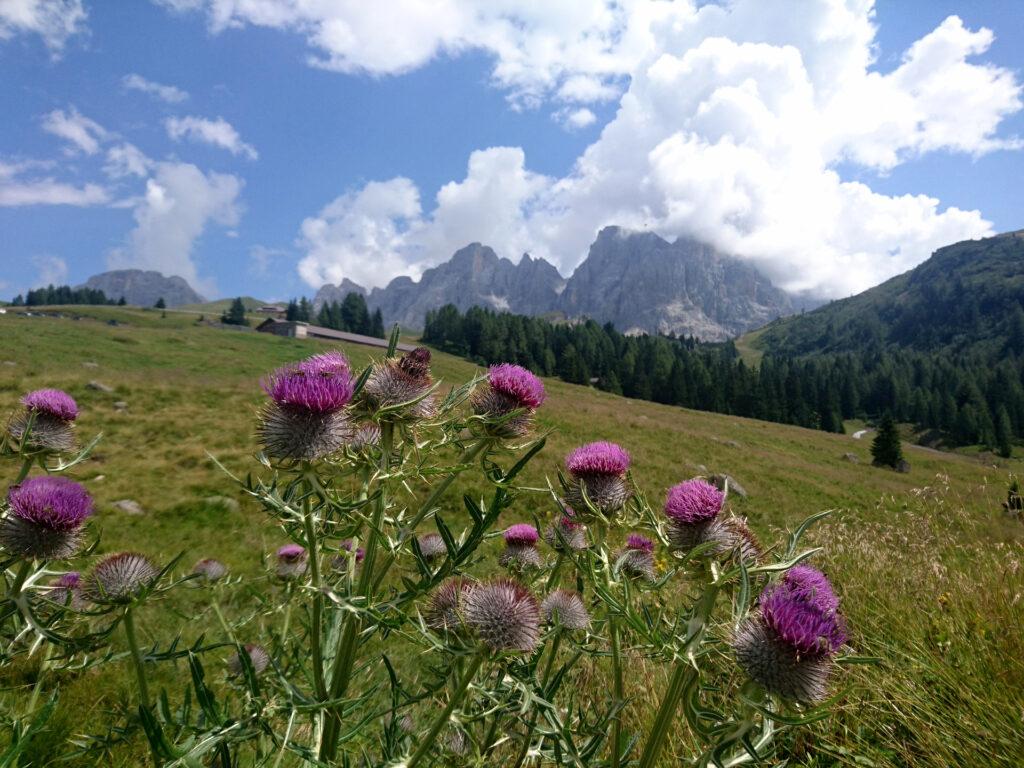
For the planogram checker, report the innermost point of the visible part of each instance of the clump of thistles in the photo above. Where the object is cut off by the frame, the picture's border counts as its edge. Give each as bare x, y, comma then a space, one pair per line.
566, 533
292, 561
789, 645
565, 608
210, 569
341, 560
521, 547
503, 614
509, 400
637, 557
258, 658
305, 418
598, 476
67, 590
444, 609
45, 519
119, 578
405, 382
693, 508
52, 415
432, 547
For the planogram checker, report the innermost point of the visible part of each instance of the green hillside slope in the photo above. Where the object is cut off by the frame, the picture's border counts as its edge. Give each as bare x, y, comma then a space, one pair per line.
927, 564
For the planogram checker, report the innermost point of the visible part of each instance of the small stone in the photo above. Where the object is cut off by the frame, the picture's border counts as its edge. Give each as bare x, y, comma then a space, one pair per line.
99, 387
90, 364
120, 405
720, 482
851, 457
227, 502
129, 507
11, 363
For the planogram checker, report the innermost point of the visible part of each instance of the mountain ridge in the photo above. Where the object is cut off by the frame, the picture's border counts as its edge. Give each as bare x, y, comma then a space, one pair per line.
144, 287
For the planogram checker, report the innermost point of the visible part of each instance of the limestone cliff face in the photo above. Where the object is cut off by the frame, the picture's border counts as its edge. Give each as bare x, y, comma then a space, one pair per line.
144, 288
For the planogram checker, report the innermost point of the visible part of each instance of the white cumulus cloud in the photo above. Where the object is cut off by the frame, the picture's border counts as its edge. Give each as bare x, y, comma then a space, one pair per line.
17, 190
83, 134
53, 20
169, 93
50, 270
219, 133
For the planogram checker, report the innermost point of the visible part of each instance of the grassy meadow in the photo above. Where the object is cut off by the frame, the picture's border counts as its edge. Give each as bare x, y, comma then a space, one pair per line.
928, 566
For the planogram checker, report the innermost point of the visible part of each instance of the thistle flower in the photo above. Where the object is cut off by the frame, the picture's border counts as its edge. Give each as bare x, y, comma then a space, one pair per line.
258, 657
305, 418
504, 615
67, 590
598, 472
364, 436
291, 562
789, 647
692, 508
521, 547
565, 607
119, 578
637, 557
341, 560
52, 413
566, 529
210, 569
809, 585
398, 381
444, 608
733, 536
46, 517
511, 389
432, 547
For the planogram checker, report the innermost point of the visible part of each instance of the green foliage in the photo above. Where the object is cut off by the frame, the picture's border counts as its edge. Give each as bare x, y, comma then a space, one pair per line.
351, 315
886, 450
160, 303
61, 294
235, 314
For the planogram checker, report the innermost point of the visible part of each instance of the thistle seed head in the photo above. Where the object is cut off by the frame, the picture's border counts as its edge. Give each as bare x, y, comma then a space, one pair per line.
119, 578
565, 607
503, 614
210, 569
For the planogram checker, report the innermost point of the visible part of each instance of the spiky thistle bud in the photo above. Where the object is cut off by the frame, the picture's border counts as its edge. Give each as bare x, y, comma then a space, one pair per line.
400, 381
692, 508
503, 614
52, 413
432, 547
364, 436
258, 658
45, 519
789, 646
210, 569
67, 590
305, 418
444, 608
598, 472
566, 532
637, 557
292, 561
521, 547
119, 578
565, 607
509, 400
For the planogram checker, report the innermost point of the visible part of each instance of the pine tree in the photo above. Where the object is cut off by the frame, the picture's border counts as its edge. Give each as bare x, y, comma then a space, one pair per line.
235, 314
886, 449
160, 303
121, 302
377, 324
1004, 433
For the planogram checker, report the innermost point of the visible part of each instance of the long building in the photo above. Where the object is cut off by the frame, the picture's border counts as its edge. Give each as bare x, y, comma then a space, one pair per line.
298, 330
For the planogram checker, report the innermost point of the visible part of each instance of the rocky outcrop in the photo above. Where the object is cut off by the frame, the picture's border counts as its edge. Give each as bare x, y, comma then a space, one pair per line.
143, 288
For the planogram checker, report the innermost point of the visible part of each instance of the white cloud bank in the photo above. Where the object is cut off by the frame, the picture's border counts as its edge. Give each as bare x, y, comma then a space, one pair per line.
53, 20
83, 134
734, 124
168, 93
16, 190
219, 133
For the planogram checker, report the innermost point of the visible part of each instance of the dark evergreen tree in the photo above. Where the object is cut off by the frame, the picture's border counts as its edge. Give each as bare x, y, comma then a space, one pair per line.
235, 314
160, 303
886, 450
1004, 433
377, 324
121, 302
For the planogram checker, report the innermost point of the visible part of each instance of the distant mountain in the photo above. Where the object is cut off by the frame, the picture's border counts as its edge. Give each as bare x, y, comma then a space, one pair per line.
969, 295
637, 281
640, 282
144, 288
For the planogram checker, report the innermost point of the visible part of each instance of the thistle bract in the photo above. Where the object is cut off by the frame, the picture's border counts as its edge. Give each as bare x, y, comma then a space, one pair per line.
565, 533
51, 413
432, 547
291, 561
637, 557
598, 472
510, 389
404, 381
521, 547
503, 614
46, 517
565, 607
443, 611
210, 569
119, 578
258, 657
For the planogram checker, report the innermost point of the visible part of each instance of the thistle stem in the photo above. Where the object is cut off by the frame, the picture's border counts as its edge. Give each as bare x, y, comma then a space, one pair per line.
549, 663
618, 691
553, 576
23, 472
316, 630
442, 719
681, 675
133, 645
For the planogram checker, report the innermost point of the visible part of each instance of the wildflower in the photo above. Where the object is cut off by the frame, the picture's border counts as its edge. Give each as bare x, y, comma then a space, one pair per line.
305, 418
291, 561
210, 569
788, 648
598, 473
341, 560
401, 381
46, 517
258, 657
432, 547
445, 605
566, 532
119, 578
504, 615
364, 436
565, 607
67, 590
52, 413
521, 547
509, 401
692, 508
637, 557
733, 536
809, 585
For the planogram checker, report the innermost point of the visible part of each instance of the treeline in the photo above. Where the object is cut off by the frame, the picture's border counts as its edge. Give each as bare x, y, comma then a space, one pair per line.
63, 294
966, 400
351, 314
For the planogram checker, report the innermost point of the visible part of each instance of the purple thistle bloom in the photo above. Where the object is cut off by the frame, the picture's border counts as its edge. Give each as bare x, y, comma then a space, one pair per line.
46, 518
565, 607
809, 630
119, 578
326, 362
639, 542
693, 501
809, 585
258, 657
522, 534
321, 385
210, 569
521, 386
53, 402
291, 561
432, 546
504, 615
70, 580
601, 458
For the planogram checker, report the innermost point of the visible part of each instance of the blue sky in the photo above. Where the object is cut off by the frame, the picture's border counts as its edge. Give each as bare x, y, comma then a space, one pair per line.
274, 151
